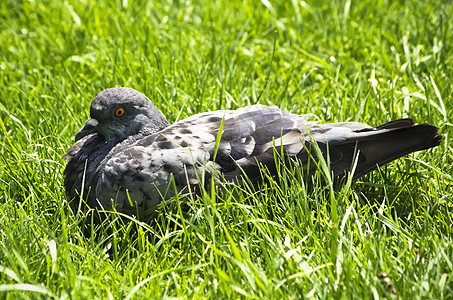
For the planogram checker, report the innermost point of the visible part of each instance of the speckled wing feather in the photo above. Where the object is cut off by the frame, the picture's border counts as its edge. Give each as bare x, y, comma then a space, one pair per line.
144, 165
186, 149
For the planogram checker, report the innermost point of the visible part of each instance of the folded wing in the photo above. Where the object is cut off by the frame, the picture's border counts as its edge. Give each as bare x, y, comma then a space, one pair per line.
143, 166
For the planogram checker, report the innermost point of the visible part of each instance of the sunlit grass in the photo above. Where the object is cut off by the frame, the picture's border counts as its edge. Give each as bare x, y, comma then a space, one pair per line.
367, 61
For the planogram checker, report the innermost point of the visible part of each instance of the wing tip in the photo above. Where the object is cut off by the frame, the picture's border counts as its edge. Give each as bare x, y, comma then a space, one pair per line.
400, 123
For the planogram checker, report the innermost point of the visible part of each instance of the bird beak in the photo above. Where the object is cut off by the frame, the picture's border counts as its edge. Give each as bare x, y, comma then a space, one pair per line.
88, 128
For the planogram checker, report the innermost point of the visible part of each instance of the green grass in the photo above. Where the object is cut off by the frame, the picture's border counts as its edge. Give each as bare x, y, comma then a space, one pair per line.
193, 56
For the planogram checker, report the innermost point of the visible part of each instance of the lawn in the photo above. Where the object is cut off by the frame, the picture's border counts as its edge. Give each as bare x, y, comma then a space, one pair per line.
342, 60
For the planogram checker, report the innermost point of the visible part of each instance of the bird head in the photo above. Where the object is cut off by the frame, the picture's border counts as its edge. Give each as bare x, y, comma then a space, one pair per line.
118, 113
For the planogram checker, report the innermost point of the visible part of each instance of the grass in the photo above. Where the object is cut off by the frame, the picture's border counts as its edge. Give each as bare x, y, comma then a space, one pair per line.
367, 61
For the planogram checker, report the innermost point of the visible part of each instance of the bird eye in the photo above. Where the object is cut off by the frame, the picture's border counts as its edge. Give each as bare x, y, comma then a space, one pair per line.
119, 112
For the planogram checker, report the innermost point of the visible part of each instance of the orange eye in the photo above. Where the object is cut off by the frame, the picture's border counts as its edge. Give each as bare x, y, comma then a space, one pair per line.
119, 112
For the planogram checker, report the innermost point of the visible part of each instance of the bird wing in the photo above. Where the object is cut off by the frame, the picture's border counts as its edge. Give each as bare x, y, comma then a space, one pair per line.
142, 167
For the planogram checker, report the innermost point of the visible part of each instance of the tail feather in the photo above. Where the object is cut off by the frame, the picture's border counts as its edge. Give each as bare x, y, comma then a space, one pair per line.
394, 140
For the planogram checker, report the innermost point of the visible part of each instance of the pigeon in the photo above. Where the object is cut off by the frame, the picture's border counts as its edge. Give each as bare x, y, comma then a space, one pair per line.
129, 158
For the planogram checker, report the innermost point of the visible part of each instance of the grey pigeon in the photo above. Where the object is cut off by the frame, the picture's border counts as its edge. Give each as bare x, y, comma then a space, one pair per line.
127, 153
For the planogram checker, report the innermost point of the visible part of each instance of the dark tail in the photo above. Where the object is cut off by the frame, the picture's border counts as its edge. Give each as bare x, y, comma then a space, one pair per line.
391, 141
